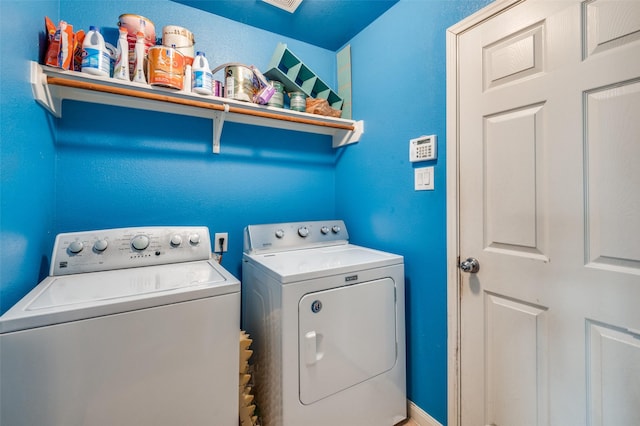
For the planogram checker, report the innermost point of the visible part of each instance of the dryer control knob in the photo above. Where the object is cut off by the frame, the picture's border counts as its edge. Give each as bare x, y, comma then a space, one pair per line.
280, 233
303, 231
100, 245
176, 240
140, 242
194, 239
324, 230
336, 229
76, 247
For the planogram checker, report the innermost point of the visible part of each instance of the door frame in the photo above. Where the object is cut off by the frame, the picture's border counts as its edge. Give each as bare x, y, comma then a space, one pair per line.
453, 195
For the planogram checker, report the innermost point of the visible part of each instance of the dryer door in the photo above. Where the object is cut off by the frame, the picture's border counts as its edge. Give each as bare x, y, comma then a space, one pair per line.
347, 335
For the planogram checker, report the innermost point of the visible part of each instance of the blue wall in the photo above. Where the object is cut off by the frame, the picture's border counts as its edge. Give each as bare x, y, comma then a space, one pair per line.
27, 185
101, 166
399, 89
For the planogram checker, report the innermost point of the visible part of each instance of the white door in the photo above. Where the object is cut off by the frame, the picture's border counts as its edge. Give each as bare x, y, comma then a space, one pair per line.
549, 205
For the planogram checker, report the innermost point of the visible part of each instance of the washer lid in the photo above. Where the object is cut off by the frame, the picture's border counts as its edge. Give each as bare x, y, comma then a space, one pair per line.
297, 265
73, 297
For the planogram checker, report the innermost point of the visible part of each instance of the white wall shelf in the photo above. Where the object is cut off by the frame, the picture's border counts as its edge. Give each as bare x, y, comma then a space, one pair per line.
51, 86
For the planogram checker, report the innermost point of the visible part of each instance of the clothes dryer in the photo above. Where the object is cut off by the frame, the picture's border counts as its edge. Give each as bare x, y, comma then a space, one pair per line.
133, 327
327, 322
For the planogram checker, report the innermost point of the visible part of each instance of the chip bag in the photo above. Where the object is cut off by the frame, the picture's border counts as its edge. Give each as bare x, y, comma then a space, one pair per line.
62, 45
78, 39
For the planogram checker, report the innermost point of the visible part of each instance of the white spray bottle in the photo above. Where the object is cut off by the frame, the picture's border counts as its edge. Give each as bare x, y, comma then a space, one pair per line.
138, 71
186, 86
121, 70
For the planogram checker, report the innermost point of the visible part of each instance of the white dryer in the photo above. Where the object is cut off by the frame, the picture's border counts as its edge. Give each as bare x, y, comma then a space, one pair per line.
133, 327
327, 322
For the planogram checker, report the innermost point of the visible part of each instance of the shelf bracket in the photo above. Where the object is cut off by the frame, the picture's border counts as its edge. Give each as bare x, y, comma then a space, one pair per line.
42, 91
218, 123
346, 138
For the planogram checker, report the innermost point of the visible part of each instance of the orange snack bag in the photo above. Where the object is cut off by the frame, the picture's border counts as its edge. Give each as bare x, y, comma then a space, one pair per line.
77, 51
50, 28
61, 47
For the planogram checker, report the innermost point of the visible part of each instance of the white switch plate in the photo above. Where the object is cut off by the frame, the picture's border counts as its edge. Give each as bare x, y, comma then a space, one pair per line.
424, 179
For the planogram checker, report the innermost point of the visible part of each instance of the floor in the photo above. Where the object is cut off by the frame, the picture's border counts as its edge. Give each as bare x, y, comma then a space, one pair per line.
408, 422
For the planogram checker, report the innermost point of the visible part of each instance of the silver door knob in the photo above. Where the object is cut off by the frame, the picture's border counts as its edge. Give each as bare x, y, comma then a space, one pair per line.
470, 265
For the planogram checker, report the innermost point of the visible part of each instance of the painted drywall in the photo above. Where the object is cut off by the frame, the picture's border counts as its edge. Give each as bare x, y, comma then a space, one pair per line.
399, 82
27, 184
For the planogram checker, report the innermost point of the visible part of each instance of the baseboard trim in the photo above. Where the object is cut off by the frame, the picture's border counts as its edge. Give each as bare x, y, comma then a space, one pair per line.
419, 416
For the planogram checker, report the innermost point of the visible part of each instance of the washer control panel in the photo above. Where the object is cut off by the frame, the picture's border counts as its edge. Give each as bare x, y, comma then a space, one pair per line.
108, 249
294, 235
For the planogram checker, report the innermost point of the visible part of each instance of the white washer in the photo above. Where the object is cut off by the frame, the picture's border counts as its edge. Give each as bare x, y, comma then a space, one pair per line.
134, 326
327, 322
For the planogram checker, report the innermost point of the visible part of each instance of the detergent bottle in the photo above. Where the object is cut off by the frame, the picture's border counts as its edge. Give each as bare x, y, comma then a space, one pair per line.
202, 80
121, 70
95, 58
138, 71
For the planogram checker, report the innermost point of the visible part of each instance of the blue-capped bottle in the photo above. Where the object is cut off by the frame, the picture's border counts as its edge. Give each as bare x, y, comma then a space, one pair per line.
202, 80
95, 58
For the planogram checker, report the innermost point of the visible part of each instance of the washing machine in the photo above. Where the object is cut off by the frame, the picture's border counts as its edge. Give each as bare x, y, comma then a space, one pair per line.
327, 322
133, 326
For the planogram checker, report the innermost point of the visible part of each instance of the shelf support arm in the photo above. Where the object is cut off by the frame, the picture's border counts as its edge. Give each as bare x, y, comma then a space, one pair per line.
42, 93
218, 123
343, 138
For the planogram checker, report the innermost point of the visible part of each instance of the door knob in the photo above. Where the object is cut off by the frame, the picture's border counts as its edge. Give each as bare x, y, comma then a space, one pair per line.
470, 265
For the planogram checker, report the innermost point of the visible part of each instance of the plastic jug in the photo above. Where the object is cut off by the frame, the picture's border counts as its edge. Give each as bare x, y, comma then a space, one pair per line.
95, 58
202, 81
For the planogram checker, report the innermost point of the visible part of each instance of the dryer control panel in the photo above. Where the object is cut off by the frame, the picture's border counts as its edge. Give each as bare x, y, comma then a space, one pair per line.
294, 235
108, 249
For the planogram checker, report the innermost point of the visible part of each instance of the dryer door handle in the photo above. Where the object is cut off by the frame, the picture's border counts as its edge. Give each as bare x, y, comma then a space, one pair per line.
312, 347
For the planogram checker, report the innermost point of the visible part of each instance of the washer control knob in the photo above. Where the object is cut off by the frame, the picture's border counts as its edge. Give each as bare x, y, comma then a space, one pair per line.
76, 247
100, 245
176, 240
280, 233
324, 230
336, 229
303, 231
140, 242
194, 239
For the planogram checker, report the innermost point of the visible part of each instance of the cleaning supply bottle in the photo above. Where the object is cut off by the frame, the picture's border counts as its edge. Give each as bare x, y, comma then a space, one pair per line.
95, 58
138, 71
202, 80
121, 70
186, 86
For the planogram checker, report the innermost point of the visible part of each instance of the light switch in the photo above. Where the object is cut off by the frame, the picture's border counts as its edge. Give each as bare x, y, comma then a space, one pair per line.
424, 179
